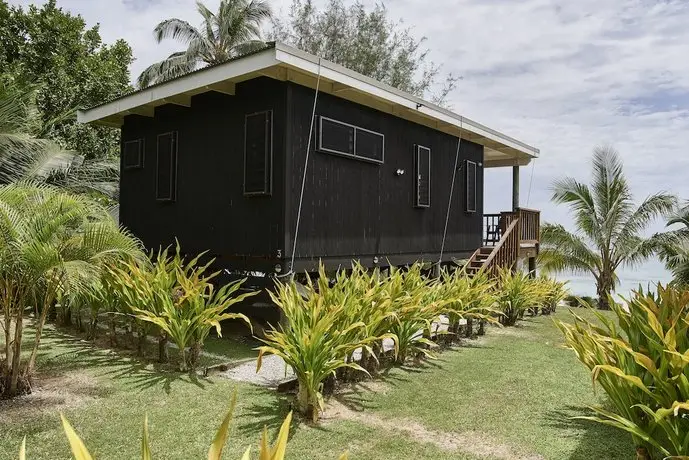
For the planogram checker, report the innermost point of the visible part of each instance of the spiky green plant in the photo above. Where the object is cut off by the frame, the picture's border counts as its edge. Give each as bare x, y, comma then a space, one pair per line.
370, 304
470, 298
516, 292
552, 293
180, 299
641, 360
419, 303
317, 337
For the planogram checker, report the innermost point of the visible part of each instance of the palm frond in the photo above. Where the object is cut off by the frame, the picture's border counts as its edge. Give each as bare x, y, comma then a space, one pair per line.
579, 198
234, 29
563, 251
176, 65
176, 29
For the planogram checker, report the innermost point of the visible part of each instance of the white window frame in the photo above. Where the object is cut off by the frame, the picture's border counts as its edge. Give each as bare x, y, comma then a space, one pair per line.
417, 170
268, 187
469, 207
173, 174
347, 154
140, 164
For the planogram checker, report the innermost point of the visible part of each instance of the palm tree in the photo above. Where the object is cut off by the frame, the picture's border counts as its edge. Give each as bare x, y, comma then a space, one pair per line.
232, 31
673, 246
25, 154
609, 225
52, 244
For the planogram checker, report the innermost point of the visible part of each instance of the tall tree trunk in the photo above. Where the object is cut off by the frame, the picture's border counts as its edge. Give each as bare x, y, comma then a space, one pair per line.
8, 338
16, 353
604, 286
47, 303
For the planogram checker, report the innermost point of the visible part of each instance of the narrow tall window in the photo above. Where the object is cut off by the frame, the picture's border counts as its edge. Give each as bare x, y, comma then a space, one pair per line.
422, 167
471, 186
133, 154
166, 167
258, 153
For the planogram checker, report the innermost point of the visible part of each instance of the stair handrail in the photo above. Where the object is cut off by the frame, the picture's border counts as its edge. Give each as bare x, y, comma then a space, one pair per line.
503, 240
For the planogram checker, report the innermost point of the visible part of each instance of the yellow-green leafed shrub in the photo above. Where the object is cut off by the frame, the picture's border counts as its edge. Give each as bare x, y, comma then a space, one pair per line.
418, 302
265, 450
516, 292
179, 298
552, 293
368, 303
641, 359
317, 336
468, 298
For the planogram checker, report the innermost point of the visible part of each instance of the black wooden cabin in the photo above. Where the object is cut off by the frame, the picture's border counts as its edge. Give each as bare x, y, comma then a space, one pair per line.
216, 160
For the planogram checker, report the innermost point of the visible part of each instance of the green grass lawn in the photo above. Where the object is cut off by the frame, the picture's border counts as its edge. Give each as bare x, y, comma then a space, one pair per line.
510, 394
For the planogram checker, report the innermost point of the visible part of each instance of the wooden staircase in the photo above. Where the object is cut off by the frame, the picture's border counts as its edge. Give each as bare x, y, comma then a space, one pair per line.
519, 236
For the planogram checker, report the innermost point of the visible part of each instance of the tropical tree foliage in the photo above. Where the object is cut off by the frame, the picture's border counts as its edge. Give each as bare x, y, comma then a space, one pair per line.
673, 246
52, 244
231, 31
641, 360
609, 225
49, 47
25, 153
366, 41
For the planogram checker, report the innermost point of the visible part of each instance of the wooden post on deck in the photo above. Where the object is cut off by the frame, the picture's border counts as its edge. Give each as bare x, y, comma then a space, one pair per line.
515, 188
532, 267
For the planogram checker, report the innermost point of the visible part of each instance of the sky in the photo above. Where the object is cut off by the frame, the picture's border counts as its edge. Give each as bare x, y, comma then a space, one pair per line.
564, 76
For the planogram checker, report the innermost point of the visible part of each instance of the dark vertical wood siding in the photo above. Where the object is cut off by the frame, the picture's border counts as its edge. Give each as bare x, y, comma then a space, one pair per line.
357, 209
210, 211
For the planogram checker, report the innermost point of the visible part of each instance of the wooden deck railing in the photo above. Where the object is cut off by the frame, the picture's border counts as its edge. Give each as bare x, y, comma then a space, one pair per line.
506, 252
495, 225
530, 224
506, 234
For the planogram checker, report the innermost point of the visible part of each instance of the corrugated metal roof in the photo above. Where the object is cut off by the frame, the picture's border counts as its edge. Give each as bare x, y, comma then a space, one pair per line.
268, 45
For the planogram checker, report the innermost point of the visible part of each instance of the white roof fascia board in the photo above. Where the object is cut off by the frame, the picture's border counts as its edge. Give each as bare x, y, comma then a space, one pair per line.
310, 63
182, 85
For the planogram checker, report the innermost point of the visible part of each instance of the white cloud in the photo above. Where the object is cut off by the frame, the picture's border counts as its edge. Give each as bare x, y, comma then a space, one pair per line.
564, 76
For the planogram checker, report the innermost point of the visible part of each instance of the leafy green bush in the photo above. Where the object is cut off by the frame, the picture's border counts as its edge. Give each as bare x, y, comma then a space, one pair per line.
468, 297
641, 360
180, 299
318, 336
552, 293
516, 292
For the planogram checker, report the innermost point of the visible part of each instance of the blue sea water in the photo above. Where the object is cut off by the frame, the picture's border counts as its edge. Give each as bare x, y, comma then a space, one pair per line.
648, 274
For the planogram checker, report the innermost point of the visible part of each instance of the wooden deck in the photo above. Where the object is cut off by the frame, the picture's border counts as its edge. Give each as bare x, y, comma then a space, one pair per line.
507, 237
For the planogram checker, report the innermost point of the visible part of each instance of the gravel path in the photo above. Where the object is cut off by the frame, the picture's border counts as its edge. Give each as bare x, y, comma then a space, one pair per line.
273, 371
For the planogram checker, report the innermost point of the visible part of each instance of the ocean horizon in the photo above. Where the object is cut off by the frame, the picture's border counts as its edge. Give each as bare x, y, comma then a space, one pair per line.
646, 275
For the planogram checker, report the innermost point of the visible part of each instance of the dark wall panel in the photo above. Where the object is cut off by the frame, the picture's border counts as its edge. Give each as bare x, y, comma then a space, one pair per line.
211, 211
354, 208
